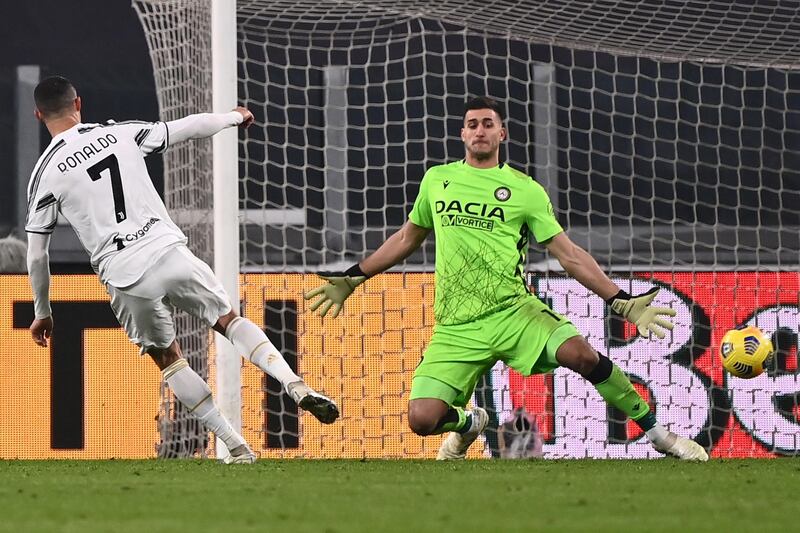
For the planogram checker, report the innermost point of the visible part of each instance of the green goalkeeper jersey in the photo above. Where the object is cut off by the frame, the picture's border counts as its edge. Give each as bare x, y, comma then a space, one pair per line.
482, 219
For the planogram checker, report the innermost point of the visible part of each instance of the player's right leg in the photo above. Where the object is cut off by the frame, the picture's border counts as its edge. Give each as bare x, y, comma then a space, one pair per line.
428, 415
443, 382
196, 290
255, 346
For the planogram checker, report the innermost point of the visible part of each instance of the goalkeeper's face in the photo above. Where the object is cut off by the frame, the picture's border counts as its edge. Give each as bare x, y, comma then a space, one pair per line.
482, 133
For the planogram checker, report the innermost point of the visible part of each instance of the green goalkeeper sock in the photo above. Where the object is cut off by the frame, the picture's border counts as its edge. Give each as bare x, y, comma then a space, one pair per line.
618, 390
456, 419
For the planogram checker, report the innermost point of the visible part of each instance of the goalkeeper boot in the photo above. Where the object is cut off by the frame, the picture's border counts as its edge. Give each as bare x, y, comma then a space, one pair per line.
456, 444
241, 455
681, 448
322, 407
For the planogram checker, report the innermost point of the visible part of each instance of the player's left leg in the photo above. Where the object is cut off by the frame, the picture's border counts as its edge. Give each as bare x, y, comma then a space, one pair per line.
536, 339
195, 394
614, 386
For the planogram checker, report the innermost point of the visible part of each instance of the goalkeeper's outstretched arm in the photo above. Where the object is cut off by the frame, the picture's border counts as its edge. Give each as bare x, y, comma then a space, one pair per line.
339, 285
582, 266
396, 248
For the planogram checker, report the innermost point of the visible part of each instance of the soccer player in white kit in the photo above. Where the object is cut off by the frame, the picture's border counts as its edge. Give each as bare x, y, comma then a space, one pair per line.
95, 176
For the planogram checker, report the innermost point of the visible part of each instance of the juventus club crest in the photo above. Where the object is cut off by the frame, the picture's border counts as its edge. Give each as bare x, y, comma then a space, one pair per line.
502, 194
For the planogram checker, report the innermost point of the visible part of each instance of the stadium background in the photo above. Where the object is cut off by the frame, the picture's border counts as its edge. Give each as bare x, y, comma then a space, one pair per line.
94, 397
117, 81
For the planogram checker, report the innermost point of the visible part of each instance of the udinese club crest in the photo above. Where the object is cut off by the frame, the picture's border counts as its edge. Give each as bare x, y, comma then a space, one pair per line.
502, 194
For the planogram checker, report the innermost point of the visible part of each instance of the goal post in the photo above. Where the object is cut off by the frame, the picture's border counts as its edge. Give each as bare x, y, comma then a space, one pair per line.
226, 204
666, 134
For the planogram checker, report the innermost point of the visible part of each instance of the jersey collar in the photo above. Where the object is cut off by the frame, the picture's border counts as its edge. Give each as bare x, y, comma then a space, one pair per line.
499, 165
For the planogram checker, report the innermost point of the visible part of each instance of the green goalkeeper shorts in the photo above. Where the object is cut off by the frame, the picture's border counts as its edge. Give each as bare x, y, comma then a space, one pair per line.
526, 337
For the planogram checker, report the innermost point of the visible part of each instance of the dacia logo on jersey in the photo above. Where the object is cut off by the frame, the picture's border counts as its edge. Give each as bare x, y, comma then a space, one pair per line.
470, 208
470, 214
502, 193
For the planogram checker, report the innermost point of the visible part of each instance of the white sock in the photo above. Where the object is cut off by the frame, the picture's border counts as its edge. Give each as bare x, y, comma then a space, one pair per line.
658, 435
253, 345
195, 394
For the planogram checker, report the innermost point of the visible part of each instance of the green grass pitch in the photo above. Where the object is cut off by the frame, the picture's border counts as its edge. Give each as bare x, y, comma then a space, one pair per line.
409, 496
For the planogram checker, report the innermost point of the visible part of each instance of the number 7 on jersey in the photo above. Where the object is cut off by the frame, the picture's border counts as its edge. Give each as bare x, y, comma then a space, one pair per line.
111, 164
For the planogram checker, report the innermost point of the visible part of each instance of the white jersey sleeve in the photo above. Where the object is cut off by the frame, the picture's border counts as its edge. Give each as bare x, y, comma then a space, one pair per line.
95, 177
201, 125
150, 137
38, 261
42, 203
42, 213
156, 137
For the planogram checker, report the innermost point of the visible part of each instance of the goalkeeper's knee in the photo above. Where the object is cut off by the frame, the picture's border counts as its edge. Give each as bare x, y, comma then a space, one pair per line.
425, 417
578, 355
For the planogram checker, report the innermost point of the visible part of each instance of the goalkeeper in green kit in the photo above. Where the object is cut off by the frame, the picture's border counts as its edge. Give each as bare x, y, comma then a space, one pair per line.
483, 212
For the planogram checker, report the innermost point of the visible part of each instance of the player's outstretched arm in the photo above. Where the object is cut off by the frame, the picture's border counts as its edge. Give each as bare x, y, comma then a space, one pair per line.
39, 276
339, 285
638, 309
396, 248
202, 125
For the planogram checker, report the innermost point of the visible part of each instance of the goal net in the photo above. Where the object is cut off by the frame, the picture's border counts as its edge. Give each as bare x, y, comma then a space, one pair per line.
666, 133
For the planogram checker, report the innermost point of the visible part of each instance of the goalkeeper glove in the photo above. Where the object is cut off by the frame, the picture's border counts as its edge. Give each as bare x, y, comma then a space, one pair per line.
637, 309
338, 287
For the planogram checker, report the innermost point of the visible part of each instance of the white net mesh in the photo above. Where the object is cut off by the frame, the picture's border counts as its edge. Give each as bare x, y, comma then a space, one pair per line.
666, 134
179, 35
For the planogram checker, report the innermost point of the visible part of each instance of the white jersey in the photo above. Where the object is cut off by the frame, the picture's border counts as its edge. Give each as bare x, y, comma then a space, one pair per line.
95, 176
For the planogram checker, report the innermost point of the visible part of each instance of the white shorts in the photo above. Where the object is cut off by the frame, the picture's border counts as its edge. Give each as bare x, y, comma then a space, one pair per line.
177, 280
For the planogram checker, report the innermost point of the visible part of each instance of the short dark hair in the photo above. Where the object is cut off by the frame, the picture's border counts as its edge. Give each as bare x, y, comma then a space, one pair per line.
54, 95
485, 102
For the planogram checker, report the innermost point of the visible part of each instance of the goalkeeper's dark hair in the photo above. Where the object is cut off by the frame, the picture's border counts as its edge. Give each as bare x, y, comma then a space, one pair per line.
54, 95
485, 102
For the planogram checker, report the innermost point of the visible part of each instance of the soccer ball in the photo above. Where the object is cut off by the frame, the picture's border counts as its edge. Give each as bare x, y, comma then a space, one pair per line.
745, 352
